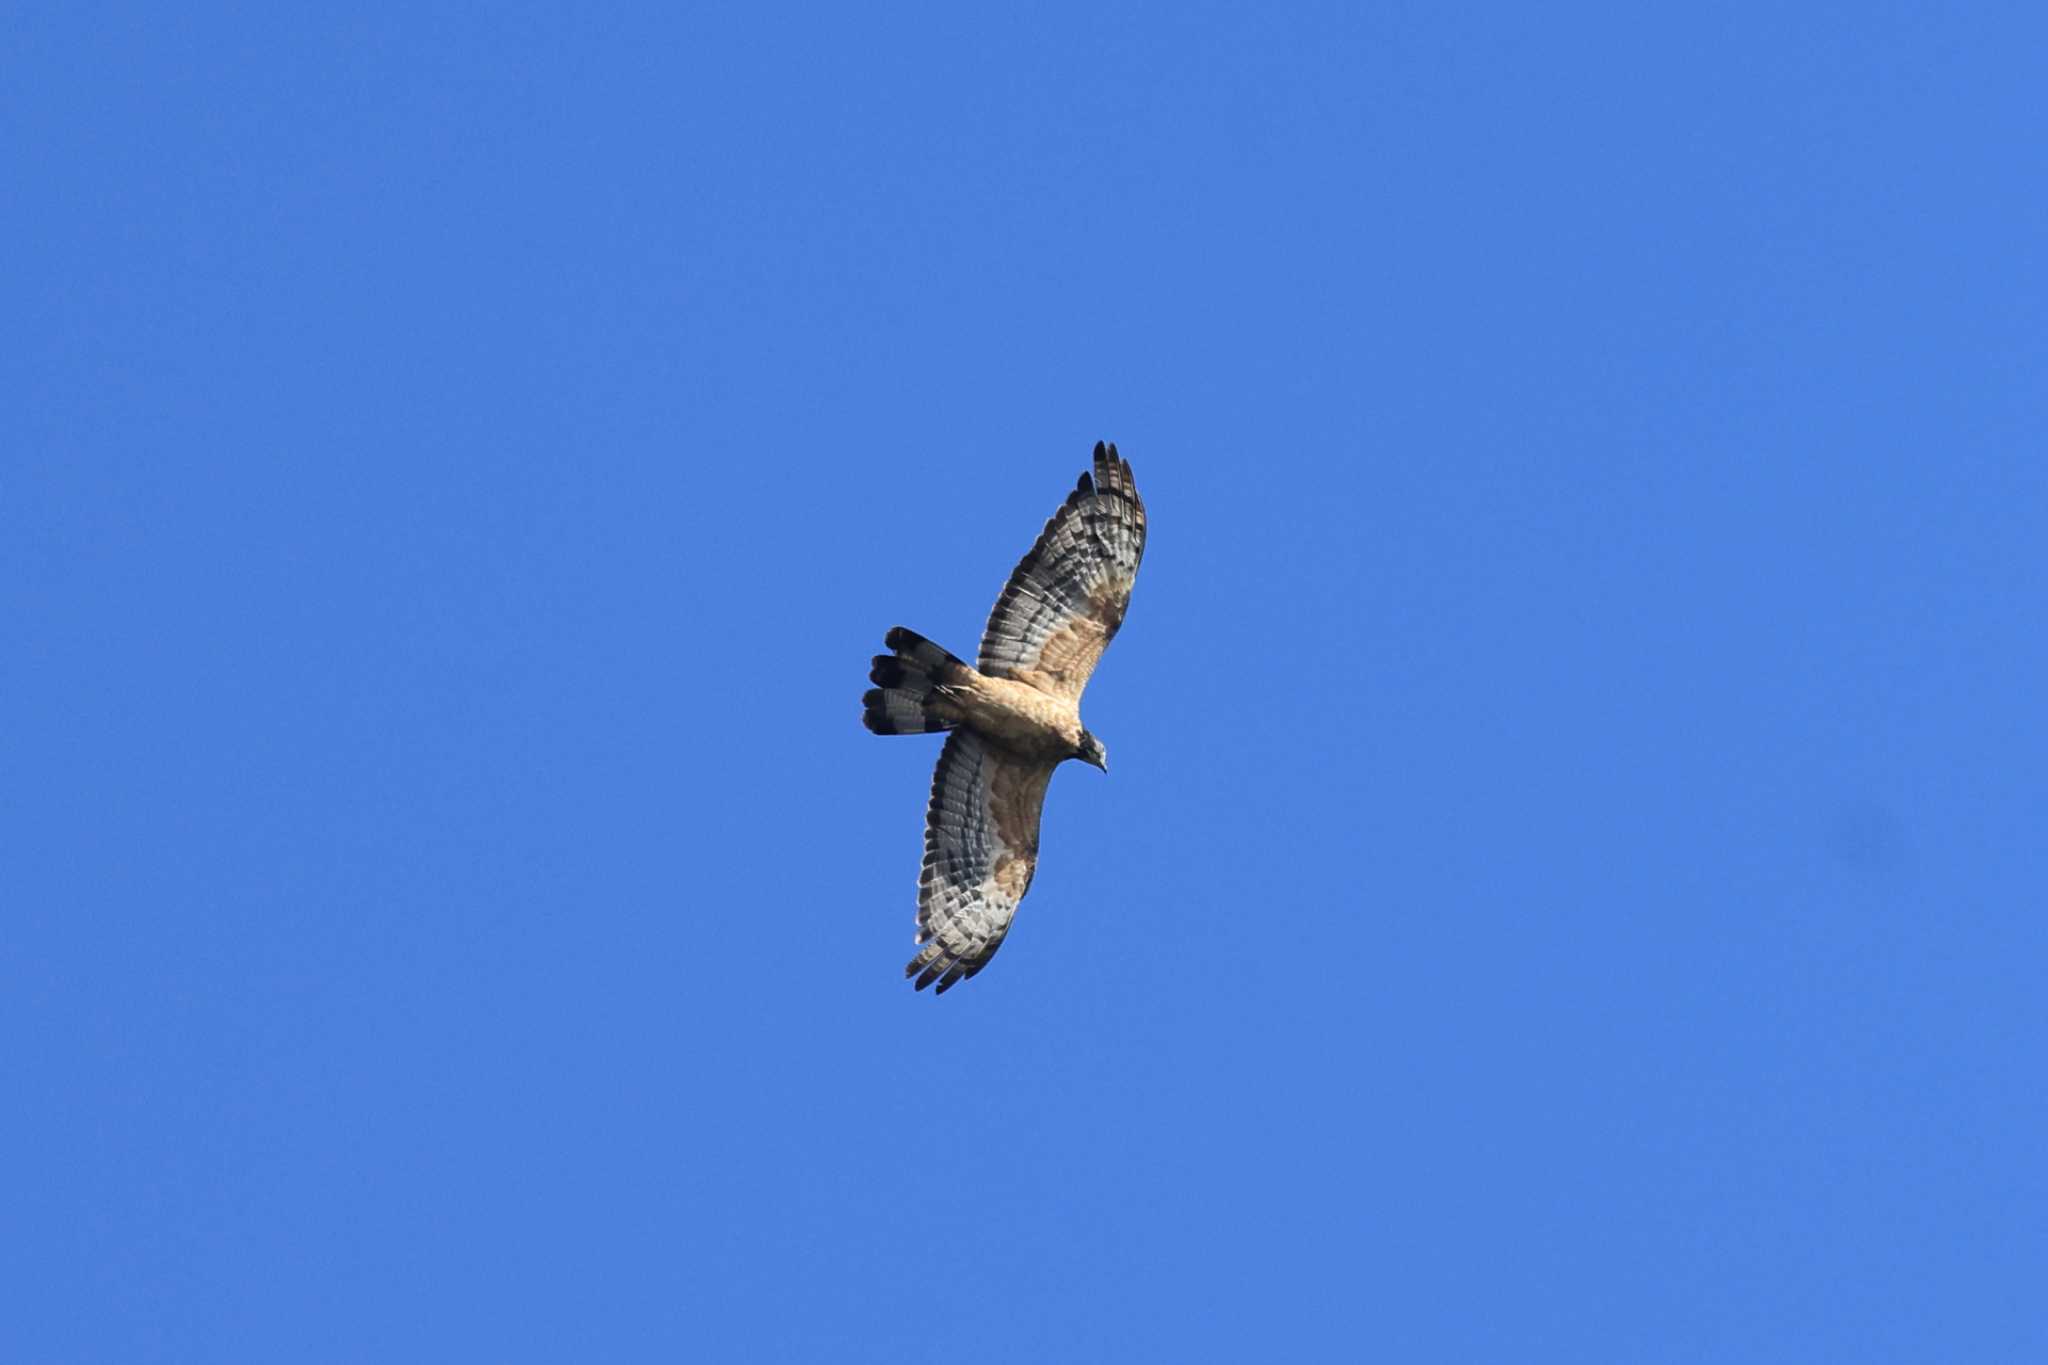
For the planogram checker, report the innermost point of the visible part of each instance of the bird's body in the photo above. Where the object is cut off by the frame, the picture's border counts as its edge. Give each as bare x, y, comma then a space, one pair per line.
1017, 715
1012, 719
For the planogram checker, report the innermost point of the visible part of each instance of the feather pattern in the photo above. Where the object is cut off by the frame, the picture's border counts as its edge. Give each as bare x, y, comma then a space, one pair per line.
980, 851
1067, 597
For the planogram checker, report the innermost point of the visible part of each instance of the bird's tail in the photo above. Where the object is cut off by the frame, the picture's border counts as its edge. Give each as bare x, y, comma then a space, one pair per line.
910, 693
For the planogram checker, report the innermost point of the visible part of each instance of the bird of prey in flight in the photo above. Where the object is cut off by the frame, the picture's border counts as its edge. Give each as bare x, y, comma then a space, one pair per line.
1011, 719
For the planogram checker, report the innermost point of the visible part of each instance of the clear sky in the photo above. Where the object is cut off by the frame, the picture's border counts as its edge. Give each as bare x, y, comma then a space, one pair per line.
1569, 885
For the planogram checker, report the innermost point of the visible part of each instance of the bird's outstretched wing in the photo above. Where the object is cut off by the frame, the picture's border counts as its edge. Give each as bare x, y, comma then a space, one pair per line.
980, 848
1064, 602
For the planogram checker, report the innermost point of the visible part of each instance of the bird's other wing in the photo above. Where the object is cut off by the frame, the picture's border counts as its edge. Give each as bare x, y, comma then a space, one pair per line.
980, 849
1064, 602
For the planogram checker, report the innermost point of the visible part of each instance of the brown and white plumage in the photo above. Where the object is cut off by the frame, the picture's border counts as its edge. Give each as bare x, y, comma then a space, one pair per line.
1012, 720
1066, 598
980, 850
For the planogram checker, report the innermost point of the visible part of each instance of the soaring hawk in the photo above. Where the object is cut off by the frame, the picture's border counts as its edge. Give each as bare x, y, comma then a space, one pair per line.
1013, 718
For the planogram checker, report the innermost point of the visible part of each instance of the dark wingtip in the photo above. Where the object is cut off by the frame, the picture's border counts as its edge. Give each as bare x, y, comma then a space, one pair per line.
887, 671
899, 636
1112, 470
926, 969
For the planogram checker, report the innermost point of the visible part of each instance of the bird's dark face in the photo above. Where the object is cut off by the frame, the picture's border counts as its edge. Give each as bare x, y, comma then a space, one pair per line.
1091, 752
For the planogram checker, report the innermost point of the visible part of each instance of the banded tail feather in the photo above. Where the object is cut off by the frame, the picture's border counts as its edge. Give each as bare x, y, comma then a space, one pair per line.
909, 693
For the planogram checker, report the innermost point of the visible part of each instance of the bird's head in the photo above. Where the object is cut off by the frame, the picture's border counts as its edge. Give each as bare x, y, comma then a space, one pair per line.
1090, 751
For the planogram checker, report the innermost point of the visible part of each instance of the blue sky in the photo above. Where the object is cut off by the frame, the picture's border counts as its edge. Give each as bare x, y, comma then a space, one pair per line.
1570, 883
